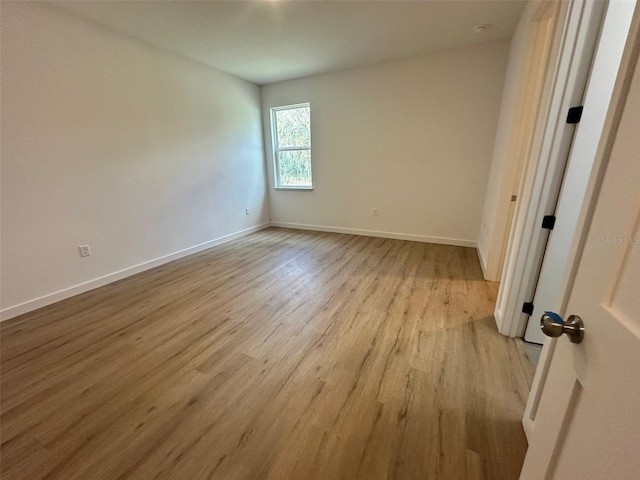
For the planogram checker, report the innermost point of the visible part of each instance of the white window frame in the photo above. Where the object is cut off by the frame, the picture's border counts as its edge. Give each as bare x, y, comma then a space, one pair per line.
277, 149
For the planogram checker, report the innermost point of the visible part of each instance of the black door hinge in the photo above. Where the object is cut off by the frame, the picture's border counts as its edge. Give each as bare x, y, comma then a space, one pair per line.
527, 307
574, 115
548, 222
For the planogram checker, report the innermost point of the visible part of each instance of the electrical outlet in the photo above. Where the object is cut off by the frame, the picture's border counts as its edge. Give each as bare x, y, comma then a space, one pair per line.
246, 211
375, 212
85, 251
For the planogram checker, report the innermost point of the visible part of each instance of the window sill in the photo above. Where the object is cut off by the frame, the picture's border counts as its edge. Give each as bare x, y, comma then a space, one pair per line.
293, 188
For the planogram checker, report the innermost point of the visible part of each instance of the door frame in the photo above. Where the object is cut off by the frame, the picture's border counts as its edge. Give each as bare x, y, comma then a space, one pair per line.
530, 78
606, 62
575, 45
605, 142
627, 70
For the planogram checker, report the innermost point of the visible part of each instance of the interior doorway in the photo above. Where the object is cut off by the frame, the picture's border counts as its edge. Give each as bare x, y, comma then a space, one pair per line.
583, 67
570, 60
534, 79
560, 251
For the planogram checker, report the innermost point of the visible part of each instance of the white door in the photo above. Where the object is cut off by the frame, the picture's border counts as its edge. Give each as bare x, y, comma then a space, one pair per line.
588, 420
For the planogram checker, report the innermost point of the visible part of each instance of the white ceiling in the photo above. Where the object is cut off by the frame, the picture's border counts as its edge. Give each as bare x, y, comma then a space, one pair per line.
268, 41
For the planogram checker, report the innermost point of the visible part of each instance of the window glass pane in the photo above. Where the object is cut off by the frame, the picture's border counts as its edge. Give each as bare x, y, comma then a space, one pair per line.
294, 127
295, 168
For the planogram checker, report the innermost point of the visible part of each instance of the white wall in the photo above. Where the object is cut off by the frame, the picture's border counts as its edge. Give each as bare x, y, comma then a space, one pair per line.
412, 138
115, 144
503, 172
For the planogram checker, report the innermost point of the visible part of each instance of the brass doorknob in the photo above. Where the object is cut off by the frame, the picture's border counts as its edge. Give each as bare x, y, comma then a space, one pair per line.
552, 325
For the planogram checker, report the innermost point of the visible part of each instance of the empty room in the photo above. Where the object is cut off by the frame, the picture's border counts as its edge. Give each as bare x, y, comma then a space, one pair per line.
297, 240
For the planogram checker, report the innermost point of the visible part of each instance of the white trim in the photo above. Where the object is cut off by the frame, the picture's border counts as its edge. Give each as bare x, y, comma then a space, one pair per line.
538, 195
375, 233
615, 23
483, 263
498, 317
527, 425
289, 107
599, 90
537, 386
276, 149
48, 299
292, 149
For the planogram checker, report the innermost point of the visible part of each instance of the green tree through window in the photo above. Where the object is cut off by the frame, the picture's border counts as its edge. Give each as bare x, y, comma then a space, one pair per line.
291, 126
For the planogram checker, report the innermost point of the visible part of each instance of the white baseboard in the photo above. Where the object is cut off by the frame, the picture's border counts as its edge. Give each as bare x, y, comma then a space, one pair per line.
36, 303
527, 424
374, 233
483, 262
497, 315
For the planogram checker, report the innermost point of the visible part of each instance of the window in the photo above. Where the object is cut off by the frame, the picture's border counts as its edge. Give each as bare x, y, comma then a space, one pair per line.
291, 130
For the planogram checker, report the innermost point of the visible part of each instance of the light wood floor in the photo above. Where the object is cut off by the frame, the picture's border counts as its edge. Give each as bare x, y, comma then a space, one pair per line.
283, 355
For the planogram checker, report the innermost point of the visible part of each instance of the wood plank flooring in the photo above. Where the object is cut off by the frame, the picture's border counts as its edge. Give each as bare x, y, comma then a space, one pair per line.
283, 355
